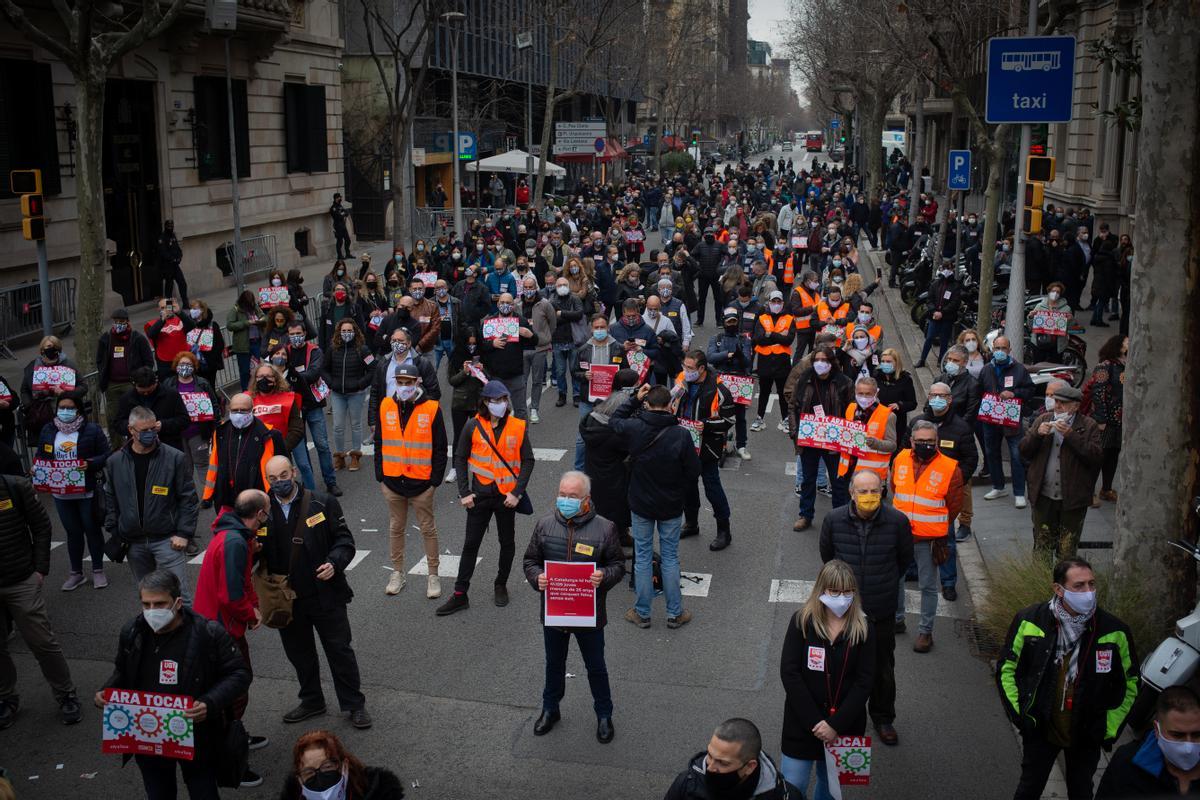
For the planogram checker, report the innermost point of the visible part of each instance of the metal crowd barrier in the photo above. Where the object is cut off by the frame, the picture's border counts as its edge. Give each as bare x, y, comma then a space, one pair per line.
437, 221
259, 254
21, 309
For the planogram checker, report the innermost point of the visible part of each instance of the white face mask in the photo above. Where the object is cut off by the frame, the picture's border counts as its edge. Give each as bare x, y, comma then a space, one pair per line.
862, 343
822, 367
158, 618
971, 345
1182, 755
497, 409
1081, 602
240, 419
864, 400
1052, 296
562, 291
776, 307
406, 393
838, 605
1049, 403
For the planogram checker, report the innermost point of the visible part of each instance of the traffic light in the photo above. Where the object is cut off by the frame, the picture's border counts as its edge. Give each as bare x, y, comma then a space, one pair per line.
28, 184
1034, 198
842, 139
1039, 137
1040, 169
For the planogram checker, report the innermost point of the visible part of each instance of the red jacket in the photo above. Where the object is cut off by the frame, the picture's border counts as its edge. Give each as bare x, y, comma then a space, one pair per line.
224, 591
169, 336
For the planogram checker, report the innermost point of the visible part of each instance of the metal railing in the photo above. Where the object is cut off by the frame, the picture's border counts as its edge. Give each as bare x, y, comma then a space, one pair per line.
260, 254
437, 221
21, 309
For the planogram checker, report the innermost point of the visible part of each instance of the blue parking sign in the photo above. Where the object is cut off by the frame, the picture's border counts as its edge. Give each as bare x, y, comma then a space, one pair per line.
959, 173
1030, 79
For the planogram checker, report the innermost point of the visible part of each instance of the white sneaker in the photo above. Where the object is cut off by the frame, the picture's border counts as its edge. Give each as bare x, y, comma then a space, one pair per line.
743, 454
451, 475
433, 587
533, 416
783, 426
757, 425
1019, 501
994, 493
395, 583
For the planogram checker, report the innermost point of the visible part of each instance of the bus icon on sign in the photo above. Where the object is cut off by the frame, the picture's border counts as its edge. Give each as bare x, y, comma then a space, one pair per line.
1019, 62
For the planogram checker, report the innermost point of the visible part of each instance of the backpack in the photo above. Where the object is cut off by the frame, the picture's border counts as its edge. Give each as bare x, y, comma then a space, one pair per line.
656, 579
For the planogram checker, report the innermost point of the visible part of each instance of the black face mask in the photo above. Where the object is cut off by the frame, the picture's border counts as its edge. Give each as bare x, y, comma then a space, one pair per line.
265, 385
924, 451
721, 784
731, 329
323, 781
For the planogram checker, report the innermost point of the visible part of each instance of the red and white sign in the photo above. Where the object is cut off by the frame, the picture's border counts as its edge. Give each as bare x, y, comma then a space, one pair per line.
199, 406
832, 433
848, 761
149, 723
270, 296
695, 428
168, 672
741, 387
1049, 322
816, 659
570, 597
639, 362
1103, 661
427, 278
476, 372
200, 339
61, 476
47, 378
601, 384
320, 390
502, 327
995, 410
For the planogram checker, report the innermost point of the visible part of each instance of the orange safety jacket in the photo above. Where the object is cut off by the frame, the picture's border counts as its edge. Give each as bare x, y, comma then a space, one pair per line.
923, 500
274, 409
774, 326
483, 463
681, 383
407, 450
789, 273
211, 476
876, 428
836, 318
809, 301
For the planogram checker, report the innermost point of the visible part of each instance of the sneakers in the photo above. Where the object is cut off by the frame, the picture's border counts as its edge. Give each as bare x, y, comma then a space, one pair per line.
69, 710
250, 779
501, 595
995, 493
826, 490
783, 426
395, 583
757, 425
743, 454
433, 587
258, 742
533, 416
303, 712
637, 619
1020, 502
680, 621
451, 475
74, 581
963, 533
457, 602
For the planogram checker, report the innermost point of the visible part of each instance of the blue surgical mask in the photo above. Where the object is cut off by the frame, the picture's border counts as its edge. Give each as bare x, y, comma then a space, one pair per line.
938, 403
887, 367
1000, 357
67, 414
147, 438
568, 506
691, 375
600, 334
951, 368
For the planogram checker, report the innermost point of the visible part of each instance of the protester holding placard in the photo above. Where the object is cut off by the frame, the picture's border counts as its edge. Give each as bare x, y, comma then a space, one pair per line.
244, 323
574, 532
168, 334
70, 452
703, 400
732, 356
1049, 322
275, 293
303, 373
821, 391
828, 668
595, 364
203, 406
206, 341
1007, 380
171, 649
47, 376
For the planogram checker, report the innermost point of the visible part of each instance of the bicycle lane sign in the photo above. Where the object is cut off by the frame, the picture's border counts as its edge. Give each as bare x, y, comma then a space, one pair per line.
1030, 79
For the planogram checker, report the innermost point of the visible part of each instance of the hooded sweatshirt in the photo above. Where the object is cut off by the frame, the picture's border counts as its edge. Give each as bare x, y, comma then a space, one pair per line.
224, 591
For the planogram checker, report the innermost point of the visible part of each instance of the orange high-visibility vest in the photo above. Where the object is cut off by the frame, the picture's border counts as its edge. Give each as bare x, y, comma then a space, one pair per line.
836, 318
274, 409
923, 500
210, 476
407, 450
876, 428
789, 274
809, 301
715, 406
483, 463
875, 331
774, 326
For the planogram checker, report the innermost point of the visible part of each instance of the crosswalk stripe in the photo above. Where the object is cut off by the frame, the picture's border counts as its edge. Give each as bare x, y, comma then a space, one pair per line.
548, 453
790, 591
358, 557
56, 544
447, 565
199, 559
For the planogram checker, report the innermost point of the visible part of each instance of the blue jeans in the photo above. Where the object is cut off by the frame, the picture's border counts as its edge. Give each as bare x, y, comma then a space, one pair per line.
347, 406
643, 568
591, 647
585, 408
315, 417
710, 476
563, 355
948, 572
939, 329
810, 457
304, 464
441, 350
796, 772
993, 436
822, 473
243, 360
652, 215
81, 526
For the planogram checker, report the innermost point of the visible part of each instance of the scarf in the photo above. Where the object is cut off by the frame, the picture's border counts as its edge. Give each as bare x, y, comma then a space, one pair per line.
1070, 631
69, 427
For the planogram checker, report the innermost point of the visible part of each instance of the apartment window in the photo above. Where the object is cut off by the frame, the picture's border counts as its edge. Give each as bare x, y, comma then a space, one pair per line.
304, 128
27, 130
212, 128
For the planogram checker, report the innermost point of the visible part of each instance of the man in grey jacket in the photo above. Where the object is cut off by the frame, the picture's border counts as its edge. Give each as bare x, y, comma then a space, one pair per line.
150, 500
538, 314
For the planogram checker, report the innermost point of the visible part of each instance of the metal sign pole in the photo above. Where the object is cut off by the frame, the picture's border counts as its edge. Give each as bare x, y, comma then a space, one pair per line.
1014, 323
44, 286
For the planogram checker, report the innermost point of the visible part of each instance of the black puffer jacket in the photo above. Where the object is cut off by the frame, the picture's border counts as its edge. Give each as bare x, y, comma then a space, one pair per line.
663, 465
878, 550
955, 439
556, 538
381, 785
347, 370
604, 460
24, 531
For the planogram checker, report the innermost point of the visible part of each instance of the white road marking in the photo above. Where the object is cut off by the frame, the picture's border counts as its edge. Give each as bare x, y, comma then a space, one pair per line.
695, 588
771, 404
198, 559
369, 530
56, 544
789, 591
447, 566
358, 558
548, 453
790, 468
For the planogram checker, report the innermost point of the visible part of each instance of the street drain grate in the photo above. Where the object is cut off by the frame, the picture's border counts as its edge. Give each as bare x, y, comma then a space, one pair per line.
982, 643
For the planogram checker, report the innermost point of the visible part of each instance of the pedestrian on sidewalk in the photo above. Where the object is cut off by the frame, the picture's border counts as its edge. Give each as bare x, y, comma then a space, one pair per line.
25, 531
119, 351
1067, 677
828, 668
945, 301
1008, 379
170, 257
338, 214
1104, 401
410, 460
1064, 452
733, 767
926, 486
574, 532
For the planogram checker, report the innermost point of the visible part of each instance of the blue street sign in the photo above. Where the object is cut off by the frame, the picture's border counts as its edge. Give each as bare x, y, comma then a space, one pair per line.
646, 140
960, 170
599, 144
835, 123
1030, 79
466, 145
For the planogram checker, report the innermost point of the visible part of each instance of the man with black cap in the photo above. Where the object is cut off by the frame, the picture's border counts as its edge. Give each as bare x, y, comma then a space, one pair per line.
119, 351
730, 353
338, 214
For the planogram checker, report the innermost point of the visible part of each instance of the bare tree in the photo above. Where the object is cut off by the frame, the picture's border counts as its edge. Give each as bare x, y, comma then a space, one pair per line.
397, 38
89, 39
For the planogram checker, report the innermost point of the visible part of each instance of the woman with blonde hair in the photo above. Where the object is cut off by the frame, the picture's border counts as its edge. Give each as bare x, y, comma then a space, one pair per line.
976, 357
896, 390
827, 668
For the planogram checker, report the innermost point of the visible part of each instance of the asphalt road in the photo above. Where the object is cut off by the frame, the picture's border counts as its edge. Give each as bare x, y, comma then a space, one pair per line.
454, 699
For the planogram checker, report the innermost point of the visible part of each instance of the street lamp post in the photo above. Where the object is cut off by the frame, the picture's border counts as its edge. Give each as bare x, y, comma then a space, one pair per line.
452, 19
525, 42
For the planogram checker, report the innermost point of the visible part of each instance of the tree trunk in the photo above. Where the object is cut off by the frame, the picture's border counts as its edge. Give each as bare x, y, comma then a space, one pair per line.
403, 194
871, 122
918, 157
539, 185
991, 214
1162, 437
89, 180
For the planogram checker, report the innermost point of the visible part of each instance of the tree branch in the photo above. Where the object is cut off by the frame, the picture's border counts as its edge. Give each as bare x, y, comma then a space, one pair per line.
16, 15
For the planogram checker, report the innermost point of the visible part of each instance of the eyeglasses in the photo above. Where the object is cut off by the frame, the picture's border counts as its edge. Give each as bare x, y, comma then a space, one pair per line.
308, 773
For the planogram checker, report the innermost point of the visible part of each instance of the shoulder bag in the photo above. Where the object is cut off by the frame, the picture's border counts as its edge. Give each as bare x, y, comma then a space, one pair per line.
275, 596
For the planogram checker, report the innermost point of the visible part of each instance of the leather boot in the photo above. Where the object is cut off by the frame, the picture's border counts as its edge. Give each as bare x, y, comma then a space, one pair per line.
723, 537
691, 527
624, 535
339, 460
355, 460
